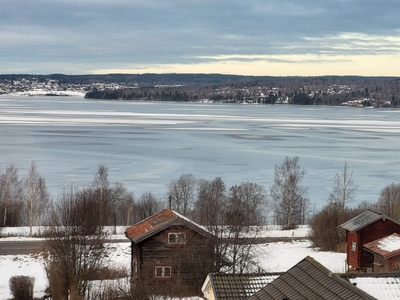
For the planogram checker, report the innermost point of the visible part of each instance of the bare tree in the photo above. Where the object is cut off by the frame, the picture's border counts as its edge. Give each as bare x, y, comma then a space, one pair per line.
211, 202
122, 205
75, 242
35, 196
343, 187
244, 220
324, 232
235, 219
182, 192
209, 210
10, 193
147, 205
111, 198
102, 185
250, 199
324, 225
389, 201
287, 192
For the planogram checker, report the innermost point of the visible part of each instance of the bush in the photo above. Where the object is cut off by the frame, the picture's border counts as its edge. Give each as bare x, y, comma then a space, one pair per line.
325, 232
21, 287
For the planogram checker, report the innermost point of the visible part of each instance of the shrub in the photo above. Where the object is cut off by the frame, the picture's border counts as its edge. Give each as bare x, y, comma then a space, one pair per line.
21, 287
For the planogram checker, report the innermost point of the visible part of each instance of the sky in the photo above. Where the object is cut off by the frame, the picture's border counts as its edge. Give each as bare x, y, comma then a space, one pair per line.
252, 37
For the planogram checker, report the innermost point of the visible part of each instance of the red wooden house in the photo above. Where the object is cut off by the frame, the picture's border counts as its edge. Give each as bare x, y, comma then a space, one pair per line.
362, 229
171, 255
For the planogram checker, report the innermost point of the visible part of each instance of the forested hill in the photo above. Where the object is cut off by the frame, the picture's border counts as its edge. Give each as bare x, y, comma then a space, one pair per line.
142, 80
327, 90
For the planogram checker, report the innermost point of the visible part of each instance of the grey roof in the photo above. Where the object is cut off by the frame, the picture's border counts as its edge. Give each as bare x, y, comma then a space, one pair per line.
362, 220
310, 280
239, 286
385, 286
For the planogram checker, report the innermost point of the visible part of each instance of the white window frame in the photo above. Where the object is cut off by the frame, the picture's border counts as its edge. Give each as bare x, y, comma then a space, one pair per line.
134, 265
164, 271
353, 246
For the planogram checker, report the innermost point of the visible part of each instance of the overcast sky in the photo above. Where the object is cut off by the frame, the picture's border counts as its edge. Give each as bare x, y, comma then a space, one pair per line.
249, 37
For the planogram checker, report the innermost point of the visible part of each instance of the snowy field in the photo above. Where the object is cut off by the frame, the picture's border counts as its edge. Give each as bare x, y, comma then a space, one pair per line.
272, 257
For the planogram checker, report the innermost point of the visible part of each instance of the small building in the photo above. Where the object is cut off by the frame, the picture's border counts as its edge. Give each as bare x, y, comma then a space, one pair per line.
310, 280
171, 255
386, 253
222, 286
362, 229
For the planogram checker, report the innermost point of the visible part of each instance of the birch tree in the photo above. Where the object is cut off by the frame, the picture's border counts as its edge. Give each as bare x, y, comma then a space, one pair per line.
10, 192
102, 186
343, 187
36, 197
287, 192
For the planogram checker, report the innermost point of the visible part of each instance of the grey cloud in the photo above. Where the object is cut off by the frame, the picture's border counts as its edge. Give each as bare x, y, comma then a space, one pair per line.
177, 31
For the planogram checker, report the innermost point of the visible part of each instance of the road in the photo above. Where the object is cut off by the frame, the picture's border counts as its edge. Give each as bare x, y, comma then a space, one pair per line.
30, 246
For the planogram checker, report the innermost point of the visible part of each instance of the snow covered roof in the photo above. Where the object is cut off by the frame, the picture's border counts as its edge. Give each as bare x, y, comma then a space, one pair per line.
382, 286
310, 280
387, 247
362, 220
236, 286
160, 221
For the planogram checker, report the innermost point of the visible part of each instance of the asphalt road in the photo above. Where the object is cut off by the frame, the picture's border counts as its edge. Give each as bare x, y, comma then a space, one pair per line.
19, 247
29, 247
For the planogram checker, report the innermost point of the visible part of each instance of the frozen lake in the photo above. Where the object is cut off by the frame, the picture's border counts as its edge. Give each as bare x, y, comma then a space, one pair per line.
145, 145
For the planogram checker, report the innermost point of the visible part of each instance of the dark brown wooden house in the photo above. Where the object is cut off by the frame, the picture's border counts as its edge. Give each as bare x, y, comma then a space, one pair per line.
171, 255
362, 229
386, 253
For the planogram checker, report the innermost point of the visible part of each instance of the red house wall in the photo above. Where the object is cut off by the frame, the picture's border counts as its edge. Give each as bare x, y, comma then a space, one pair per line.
360, 259
378, 230
353, 256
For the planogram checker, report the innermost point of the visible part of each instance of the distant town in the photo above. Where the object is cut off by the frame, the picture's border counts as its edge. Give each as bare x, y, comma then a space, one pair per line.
327, 90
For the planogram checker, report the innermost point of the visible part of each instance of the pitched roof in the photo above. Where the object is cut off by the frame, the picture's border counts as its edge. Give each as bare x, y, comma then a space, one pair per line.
387, 247
237, 286
385, 286
310, 280
362, 220
160, 221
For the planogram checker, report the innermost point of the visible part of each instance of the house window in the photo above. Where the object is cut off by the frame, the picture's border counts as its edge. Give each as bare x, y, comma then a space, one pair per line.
163, 271
176, 238
134, 265
353, 246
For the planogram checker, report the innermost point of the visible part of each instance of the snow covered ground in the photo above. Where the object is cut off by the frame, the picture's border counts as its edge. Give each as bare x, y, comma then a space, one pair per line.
272, 257
45, 92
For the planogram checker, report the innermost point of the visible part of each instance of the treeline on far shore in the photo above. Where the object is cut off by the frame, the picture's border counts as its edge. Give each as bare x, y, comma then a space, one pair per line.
333, 91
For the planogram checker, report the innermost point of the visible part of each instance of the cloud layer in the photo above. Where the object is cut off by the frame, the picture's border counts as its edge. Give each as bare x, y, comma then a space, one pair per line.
275, 37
